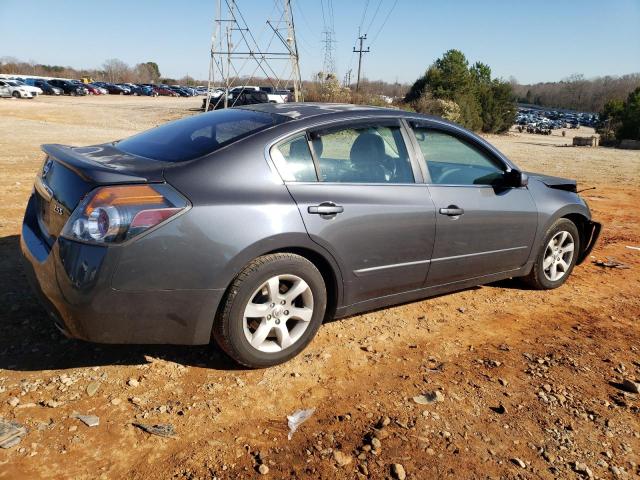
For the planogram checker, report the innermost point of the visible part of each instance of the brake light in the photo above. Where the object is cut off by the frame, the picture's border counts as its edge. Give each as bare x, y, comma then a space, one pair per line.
115, 214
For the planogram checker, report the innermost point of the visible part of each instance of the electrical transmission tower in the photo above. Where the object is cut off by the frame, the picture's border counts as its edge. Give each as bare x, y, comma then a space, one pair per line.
329, 63
360, 52
237, 54
347, 78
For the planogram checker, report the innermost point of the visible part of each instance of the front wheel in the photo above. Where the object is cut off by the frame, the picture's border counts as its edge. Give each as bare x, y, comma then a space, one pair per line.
557, 256
271, 311
16, 94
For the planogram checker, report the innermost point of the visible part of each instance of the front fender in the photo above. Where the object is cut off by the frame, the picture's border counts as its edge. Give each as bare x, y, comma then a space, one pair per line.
554, 204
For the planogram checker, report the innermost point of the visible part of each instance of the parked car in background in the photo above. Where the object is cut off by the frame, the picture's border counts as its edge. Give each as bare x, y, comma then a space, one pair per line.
68, 87
5, 91
102, 90
114, 89
35, 91
179, 90
246, 97
165, 92
148, 91
45, 86
91, 89
15, 90
126, 88
276, 95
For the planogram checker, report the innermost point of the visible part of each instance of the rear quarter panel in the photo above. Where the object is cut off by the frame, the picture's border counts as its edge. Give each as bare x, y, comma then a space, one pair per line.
241, 210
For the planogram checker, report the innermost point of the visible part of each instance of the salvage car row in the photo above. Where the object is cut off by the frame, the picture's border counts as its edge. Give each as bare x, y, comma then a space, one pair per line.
21, 87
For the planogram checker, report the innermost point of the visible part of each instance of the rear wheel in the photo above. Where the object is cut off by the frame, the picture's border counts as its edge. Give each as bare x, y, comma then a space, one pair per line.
272, 310
557, 257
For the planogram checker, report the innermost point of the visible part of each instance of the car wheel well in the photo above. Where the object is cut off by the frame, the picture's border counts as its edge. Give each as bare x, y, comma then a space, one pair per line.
580, 221
320, 263
325, 269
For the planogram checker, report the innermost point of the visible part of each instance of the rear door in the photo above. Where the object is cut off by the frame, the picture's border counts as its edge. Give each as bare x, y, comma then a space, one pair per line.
357, 191
482, 226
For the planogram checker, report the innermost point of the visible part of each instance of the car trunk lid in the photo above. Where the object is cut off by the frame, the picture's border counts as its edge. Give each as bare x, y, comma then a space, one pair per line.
69, 173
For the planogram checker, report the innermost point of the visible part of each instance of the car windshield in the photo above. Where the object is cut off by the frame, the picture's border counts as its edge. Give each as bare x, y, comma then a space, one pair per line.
199, 135
13, 84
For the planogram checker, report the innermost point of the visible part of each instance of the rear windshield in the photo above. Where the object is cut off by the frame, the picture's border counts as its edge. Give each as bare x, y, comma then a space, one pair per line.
199, 135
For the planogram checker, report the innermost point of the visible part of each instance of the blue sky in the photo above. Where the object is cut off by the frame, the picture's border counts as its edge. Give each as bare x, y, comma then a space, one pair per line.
539, 40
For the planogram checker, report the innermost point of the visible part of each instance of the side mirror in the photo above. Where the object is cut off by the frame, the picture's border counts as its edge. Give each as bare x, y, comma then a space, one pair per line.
516, 179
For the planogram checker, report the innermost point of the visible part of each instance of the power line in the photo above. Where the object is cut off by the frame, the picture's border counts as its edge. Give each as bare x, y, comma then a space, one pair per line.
364, 14
374, 16
384, 22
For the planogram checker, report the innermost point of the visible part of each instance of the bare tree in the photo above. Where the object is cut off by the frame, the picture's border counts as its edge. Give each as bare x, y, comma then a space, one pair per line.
115, 70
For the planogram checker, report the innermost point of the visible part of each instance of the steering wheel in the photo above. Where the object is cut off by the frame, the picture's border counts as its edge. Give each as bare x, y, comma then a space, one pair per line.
447, 174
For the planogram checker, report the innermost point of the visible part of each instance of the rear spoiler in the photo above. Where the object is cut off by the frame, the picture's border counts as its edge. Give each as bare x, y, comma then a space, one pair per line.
104, 164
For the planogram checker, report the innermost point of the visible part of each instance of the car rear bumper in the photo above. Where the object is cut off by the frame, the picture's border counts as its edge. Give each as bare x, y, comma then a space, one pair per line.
73, 282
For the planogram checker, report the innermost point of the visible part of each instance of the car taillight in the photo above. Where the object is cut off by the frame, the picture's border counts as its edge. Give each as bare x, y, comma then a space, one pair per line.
115, 214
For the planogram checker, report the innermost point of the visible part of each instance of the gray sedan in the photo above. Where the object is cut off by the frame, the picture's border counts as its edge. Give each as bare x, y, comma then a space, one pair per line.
253, 225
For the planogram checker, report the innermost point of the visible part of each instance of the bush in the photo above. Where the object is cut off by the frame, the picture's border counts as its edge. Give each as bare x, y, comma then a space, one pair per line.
447, 109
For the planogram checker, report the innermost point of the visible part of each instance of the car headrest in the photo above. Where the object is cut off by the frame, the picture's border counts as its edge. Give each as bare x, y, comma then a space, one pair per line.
367, 146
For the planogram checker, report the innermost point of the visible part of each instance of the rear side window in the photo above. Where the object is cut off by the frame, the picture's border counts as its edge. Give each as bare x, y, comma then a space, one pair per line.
368, 154
199, 135
293, 160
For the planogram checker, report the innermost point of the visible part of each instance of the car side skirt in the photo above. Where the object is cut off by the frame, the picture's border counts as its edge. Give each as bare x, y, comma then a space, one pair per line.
424, 293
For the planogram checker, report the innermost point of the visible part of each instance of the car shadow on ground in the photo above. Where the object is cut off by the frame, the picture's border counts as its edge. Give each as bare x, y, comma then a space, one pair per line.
30, 342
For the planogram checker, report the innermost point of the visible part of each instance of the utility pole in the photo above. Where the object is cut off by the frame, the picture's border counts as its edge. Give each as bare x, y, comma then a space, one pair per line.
347, 78
360, 51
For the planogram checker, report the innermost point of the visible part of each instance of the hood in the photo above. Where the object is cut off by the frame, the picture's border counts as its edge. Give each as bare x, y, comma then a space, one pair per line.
558, 183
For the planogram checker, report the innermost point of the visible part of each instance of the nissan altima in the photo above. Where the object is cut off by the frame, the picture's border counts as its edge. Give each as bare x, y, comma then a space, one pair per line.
251, 226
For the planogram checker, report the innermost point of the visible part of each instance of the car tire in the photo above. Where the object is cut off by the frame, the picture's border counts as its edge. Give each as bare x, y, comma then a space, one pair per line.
288, 295
557, 256
16, 95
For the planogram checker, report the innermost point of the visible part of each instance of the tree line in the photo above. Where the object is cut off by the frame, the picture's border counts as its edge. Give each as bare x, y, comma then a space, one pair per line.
113, 70
578, 93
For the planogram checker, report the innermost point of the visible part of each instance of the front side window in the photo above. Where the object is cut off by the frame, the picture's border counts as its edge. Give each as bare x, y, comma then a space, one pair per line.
293, 160
368, 154
451, 161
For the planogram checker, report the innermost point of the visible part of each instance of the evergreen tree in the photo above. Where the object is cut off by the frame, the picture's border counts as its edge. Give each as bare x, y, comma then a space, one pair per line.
484, 104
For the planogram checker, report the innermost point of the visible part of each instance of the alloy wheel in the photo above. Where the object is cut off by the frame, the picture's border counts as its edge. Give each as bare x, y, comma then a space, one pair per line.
278, 313
558, 256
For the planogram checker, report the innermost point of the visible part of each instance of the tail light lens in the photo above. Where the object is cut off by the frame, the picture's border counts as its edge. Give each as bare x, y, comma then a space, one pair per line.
118, 213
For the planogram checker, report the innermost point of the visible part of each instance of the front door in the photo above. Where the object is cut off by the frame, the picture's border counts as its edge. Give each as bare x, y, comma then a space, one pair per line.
482, 226
359, 199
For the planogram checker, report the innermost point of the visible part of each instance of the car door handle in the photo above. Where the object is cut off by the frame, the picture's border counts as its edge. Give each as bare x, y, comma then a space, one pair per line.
452, 211
325, 208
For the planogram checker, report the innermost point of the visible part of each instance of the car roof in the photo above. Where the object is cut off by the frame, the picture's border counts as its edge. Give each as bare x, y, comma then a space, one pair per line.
311, 110
305, 110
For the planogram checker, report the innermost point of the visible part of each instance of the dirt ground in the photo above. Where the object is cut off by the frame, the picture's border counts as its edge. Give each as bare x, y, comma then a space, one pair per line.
527, 379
